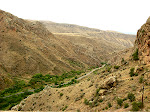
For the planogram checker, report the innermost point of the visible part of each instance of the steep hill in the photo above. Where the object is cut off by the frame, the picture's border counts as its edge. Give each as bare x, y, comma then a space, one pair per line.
120, 87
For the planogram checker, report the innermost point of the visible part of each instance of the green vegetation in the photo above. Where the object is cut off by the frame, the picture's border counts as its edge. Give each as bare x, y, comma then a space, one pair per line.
131, 97
106, 107
73, 81
101, 100
39, 79
132, 73
116, 67
76, 63
39, 89
8, 102
86, 102
65, 108
103, 63
109, 104
126, 105
108, 68
97, 92
61, 94
119, 101
143, 31
141, 79
136, 106
122, 60
135, 55
36, 83
18, 86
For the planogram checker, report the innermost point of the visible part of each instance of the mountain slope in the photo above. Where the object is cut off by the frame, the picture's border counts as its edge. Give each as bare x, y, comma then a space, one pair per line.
119, 40
27, 48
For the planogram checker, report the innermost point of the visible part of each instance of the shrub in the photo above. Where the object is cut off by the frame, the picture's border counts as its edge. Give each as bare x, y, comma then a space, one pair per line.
108, 69
119, 101
106, 108
109, 104
136, 106
65, 108
136, 74
37, 76
135, 55
19, 108
76, 77
39, 89
141, 79
122, 60
131, 72
126, 105
124, 99
97, 92
116, 67
131, 97
86, 101
61, 94
101, 100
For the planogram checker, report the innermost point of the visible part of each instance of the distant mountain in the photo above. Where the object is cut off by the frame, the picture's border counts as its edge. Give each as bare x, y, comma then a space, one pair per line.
104, 37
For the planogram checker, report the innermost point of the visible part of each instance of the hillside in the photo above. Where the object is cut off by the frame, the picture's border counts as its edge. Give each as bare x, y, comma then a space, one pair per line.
105, 38
97, 43
117, 87
27, 47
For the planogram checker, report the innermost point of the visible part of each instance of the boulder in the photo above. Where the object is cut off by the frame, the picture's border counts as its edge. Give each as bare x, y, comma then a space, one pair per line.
102, 92
137, 69
109, 83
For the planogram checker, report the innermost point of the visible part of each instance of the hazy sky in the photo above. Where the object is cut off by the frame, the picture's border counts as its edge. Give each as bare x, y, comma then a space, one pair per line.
125, 16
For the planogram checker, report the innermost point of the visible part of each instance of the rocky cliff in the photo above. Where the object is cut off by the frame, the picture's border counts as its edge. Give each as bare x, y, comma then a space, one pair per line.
143, 42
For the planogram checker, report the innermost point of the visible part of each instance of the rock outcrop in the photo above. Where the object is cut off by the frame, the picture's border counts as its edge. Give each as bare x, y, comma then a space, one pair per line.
143, 42
109, 83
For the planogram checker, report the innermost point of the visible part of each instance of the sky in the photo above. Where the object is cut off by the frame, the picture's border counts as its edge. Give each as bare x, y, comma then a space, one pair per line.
124, 16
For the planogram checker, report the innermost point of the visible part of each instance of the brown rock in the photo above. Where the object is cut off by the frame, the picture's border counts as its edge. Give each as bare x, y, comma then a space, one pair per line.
148, 21
143, 42
103, 92
109, 83
148, 34
138, 69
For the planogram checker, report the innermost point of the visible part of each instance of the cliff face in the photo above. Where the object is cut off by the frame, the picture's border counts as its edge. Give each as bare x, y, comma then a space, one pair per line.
143, 42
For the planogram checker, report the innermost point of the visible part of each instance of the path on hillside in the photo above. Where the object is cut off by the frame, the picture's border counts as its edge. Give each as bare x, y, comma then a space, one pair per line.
87, 74
90, 73
32, 90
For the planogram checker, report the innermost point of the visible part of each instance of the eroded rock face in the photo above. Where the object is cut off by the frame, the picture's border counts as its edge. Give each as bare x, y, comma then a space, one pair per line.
143, 42
109, 83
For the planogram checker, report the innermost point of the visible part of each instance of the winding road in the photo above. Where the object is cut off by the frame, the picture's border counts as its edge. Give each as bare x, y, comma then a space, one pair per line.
90, 73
